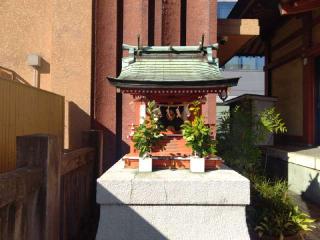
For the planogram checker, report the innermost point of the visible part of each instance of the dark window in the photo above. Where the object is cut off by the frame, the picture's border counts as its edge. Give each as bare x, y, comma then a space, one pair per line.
172, 117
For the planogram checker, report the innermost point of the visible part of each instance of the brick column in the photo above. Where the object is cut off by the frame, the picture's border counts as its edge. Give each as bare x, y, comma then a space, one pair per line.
202, 19
108, 53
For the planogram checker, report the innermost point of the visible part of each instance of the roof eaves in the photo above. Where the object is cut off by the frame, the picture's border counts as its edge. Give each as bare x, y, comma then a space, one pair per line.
147, 83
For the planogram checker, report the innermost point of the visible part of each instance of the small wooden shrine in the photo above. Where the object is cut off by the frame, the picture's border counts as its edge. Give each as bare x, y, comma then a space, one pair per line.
172, 76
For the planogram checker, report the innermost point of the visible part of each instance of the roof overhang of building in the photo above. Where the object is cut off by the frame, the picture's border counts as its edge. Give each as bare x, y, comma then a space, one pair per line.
270, 15
290, 7
235, 33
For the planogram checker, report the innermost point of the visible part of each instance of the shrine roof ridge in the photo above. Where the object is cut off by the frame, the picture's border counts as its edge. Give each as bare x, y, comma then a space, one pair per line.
171, 66
138, 50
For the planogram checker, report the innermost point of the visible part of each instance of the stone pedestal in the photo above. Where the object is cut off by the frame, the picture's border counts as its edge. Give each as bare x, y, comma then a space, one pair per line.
169, 204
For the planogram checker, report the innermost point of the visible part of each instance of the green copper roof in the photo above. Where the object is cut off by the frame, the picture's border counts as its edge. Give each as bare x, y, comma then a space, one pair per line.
171, 67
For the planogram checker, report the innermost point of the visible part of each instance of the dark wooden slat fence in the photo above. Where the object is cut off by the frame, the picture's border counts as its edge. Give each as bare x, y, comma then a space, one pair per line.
78, 189
51, 195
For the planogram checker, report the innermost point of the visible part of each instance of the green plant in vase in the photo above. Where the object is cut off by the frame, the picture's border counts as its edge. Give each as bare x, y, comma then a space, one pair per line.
147, 135
198, 136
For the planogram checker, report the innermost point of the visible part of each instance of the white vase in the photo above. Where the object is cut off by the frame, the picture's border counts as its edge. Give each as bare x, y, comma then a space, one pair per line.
145, 164
197, 164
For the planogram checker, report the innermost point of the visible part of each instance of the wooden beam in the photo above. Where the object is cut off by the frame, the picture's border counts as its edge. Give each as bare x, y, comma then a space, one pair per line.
230, 49
296, 7
227, 27
248, 6
256, 45
313, 51
296, 53
288, 39
238, 32
76, 159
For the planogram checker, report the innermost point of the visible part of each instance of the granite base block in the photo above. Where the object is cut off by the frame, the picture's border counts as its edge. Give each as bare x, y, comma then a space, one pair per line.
170, 204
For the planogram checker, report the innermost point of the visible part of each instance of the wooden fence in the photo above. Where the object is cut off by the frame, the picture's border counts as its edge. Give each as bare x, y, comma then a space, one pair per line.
19, 203
77, 193
26, 110
50, 196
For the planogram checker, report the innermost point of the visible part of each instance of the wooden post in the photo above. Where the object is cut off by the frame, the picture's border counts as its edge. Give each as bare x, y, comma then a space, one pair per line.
267, 78
44, 151
94, 138
309, 122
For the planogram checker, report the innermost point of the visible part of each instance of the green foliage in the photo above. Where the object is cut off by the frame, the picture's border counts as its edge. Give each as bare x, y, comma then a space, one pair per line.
148, 133
236, 141
301, 221
197, 134
238, 132
269, 121
272, 212
276, 215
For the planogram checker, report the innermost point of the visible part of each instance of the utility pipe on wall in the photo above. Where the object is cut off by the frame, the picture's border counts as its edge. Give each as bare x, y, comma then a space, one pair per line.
34, 61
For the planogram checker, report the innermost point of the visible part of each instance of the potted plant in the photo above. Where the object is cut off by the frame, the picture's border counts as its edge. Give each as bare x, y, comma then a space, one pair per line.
198, 136
147, 135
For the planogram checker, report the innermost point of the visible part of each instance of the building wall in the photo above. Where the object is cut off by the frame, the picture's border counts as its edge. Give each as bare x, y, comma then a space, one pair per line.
287, 86
251, 82
287, 78
285, 30
60, 32
290, 72
26, 110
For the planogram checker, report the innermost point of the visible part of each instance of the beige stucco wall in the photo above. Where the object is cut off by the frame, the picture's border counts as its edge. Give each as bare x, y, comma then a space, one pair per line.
287, 79
60, 32
25, 29
287, 86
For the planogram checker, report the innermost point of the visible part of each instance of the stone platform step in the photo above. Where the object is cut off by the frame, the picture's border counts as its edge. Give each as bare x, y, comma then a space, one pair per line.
173, 205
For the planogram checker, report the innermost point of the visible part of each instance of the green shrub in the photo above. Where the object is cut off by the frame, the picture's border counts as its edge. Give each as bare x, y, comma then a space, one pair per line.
148, 133
272, 212
197, 134
238, 133
275, 213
